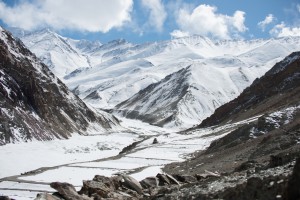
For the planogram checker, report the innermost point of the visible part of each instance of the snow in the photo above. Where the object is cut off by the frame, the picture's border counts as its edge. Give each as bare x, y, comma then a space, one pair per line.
29, 186
145, 173
73, 175
285, 114
105, 75
76, 149
19, 195
82, 157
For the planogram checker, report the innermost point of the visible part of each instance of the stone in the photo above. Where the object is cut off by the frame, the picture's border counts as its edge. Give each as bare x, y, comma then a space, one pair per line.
94, 187
149, 182
172, 179
46, 196
132, 183
155, 141
112, 182
207, 174
120, 196
67, 191
163, 179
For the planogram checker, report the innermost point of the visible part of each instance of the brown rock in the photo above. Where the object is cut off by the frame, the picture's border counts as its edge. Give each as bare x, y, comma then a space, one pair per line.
112, 182
172, 179
120, 196
163, 179
68, 191
45, 196
132, 183
94, 187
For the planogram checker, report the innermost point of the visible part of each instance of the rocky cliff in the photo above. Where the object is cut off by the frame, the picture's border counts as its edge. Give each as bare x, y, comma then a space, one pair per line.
34, 104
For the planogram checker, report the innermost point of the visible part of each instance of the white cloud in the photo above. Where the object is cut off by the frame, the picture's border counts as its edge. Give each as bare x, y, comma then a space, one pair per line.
157, 14
298, 7
92, 15
268, 20
281, 30
205, 20
179, 34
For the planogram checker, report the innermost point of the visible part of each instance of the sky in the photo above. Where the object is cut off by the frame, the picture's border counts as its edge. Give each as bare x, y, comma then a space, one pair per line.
140, 21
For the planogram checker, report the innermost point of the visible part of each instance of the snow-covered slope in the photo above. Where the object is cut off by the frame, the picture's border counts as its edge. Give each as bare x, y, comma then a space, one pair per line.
119, 70
61, 54
186, 97
218, 73
278, 88
35, 104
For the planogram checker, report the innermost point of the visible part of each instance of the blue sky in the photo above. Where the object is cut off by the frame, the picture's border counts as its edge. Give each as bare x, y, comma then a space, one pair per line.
140, 21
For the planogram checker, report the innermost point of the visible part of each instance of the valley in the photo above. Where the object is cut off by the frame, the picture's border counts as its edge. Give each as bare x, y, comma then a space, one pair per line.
82, 157
129, 112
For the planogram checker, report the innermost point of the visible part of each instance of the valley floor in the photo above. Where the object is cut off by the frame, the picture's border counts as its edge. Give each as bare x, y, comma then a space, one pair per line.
28, 168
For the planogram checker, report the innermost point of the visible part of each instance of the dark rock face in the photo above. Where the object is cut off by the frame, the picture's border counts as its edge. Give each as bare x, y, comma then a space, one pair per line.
293, 191
34, 103
4, 198
278, 87
166, 103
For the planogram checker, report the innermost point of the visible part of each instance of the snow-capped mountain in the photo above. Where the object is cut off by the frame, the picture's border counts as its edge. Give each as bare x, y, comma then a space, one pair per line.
61, 54
215, 73
35, 104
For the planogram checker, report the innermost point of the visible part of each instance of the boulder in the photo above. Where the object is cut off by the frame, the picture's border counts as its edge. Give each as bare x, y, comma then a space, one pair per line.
163, 179
94, 187
67, 191
155, 141
172, 179
113, 182
46, 196
149, 182
132, 183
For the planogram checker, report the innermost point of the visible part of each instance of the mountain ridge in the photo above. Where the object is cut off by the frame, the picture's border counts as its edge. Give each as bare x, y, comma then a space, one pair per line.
115, 72
35, 104
272, 79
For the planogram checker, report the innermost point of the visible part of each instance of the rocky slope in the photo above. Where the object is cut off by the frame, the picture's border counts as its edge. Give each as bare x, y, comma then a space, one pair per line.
268, 144
188, 96
278, 87
35, 104
139, 66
